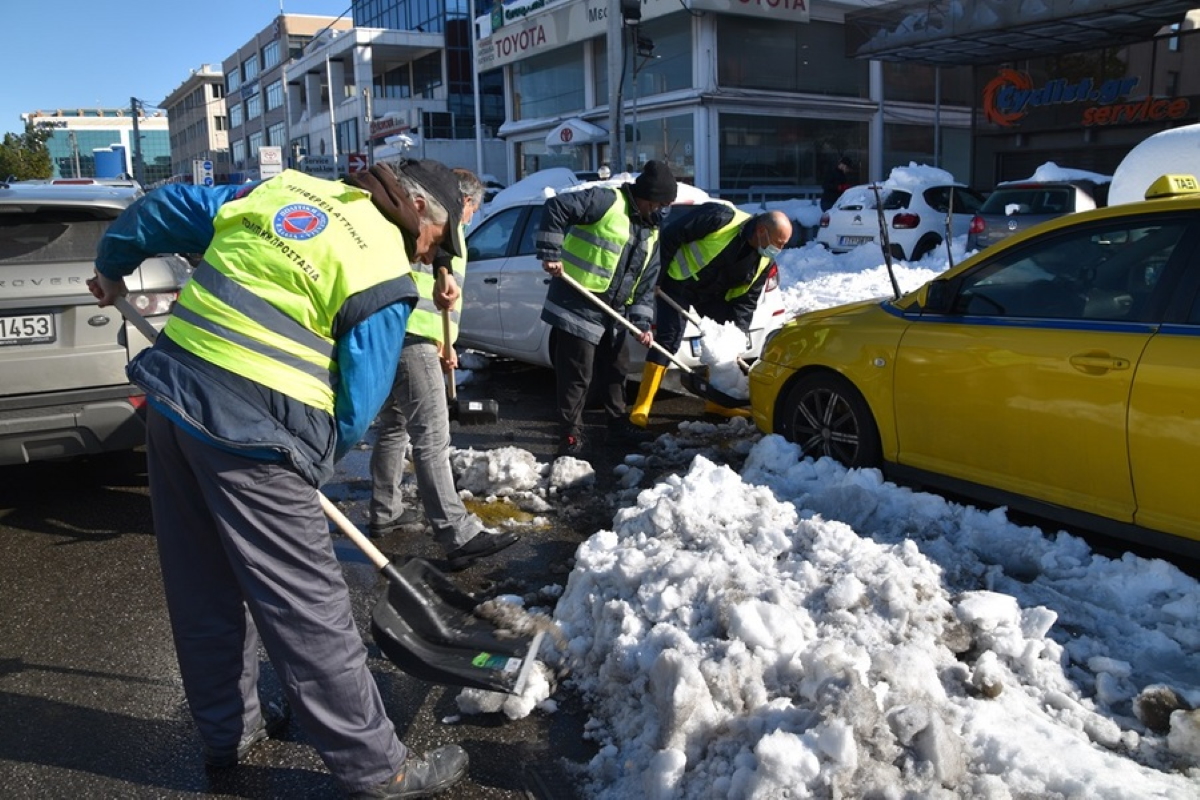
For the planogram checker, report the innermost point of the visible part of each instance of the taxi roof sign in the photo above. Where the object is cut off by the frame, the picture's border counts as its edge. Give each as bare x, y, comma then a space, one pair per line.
1173, 186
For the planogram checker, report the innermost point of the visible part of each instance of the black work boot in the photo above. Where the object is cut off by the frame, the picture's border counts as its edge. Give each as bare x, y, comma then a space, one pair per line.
274, 722
421, 777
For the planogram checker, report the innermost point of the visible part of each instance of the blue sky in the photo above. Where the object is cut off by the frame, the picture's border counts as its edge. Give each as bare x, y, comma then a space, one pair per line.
88, 54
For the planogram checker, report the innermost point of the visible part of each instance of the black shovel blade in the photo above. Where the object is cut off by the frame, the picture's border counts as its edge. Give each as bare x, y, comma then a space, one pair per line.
450, 665
697, 383
439, 612
475, 412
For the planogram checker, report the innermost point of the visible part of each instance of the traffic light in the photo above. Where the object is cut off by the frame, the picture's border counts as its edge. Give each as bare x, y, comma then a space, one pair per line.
631, 11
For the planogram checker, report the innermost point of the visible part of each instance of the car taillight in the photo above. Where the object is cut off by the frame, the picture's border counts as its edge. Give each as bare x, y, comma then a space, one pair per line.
153, 304
825, 220
977, 225
905, 221
772, 278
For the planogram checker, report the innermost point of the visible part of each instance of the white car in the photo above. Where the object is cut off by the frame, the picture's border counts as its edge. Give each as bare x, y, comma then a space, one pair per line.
915, 215
506, 285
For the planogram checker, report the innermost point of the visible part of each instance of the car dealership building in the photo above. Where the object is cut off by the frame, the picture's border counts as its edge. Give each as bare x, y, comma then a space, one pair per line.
748, 97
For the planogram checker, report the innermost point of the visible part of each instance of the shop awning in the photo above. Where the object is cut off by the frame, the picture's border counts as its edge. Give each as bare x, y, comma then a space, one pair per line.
575, 132
957, 32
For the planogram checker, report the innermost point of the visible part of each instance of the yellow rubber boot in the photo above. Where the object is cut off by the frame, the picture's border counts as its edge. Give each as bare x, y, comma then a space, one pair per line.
652, 375
723, 411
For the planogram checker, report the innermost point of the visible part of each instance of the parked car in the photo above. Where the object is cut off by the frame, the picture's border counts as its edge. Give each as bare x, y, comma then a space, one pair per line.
506, 286
63, 390
1014, 207
915, 215
1056, 373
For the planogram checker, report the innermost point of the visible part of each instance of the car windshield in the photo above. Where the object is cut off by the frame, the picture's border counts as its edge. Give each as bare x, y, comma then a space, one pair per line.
1029, 200
50, 235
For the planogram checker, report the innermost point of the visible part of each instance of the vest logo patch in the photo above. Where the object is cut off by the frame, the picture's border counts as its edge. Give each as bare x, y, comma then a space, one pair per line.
300, 221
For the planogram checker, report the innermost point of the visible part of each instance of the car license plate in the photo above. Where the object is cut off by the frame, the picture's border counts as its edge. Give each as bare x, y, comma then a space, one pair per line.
854, 241
695, 345
27, 329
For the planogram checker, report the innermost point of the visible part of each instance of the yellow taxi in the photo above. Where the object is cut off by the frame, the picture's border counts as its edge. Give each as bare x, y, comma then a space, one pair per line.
1057, 373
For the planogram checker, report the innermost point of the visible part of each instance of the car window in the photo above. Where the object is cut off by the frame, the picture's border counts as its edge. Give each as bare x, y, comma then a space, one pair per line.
492, 237
895, 199
1102, 272
967, 201
52, 234
528, 243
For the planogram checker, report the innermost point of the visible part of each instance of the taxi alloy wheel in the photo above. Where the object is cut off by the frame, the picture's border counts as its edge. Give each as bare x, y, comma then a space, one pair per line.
827, 416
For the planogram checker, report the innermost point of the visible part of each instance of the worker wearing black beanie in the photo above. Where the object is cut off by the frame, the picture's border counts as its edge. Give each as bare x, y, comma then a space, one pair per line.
656, 183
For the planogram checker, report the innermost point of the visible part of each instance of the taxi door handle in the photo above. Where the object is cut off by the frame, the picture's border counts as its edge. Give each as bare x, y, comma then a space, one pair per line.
1093, 362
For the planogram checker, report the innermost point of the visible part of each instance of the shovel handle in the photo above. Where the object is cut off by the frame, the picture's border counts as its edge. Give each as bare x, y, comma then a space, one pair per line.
131, 314
347, 527
452, 389
688, 315
607, 310
352, 532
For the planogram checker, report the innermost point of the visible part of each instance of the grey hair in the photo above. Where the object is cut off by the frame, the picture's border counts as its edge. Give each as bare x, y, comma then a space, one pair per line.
469, 186
435, 213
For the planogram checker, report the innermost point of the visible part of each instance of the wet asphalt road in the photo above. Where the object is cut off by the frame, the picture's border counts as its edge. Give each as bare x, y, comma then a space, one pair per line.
90, 695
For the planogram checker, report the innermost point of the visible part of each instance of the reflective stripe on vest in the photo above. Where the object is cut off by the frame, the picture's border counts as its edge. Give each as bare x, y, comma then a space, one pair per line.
283, 260
592, 253
426, 318
691, 257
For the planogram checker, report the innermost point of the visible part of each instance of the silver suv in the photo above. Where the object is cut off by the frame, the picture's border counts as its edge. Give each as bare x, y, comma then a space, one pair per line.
63, 389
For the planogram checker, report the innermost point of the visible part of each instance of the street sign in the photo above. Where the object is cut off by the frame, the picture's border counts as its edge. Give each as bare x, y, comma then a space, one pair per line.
270, 161
202, 173
321, 166
356, 162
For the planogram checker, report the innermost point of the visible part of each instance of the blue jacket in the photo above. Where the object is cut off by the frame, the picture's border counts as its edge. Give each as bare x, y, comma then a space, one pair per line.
223, 408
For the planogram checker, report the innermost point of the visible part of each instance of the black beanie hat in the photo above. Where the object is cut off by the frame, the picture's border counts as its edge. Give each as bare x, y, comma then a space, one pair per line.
656, 183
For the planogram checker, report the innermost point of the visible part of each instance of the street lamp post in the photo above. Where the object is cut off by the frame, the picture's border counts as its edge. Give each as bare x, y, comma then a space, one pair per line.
138, 168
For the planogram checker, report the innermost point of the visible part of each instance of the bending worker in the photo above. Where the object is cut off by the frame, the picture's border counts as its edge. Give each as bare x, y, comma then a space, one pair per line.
607, 240
717, 261
417, 411
277, 356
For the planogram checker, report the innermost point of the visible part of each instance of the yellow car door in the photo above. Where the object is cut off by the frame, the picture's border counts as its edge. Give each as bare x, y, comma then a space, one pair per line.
1023, 408
1023, 383
1164, 431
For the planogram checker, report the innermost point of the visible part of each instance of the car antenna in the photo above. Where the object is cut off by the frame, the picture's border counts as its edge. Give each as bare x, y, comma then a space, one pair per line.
886, 242
950, 229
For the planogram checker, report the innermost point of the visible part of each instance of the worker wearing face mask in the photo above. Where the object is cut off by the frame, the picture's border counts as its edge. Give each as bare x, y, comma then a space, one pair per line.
716, 260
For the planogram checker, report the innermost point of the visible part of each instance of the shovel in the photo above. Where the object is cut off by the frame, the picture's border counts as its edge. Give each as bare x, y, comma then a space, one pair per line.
692, 318
424, 624
695, 382
475, 412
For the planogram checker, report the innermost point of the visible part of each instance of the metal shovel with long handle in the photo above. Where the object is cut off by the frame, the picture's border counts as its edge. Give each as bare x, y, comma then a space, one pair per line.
474, 412
693, 381
423, 623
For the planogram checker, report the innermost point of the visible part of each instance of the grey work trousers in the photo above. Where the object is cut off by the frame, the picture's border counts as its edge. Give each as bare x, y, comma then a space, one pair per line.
417, 412
245, 551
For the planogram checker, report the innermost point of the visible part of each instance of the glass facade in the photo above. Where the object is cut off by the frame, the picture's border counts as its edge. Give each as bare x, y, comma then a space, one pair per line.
549, 84
72, 151
668, 69
811, 58
784, 151
450, 18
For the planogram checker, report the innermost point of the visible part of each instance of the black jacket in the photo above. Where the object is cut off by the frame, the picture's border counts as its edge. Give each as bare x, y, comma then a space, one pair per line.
733, 266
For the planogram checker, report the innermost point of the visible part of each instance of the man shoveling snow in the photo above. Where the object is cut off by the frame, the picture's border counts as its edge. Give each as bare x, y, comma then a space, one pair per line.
716, 260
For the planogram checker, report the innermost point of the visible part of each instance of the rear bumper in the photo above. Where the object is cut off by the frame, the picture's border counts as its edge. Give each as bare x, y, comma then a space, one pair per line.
67, 424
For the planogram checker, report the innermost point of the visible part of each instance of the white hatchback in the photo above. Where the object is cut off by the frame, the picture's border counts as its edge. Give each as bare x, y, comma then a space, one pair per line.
506, 285
915, 215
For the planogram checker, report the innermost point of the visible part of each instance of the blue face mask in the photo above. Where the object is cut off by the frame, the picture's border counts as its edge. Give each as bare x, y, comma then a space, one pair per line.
770, 251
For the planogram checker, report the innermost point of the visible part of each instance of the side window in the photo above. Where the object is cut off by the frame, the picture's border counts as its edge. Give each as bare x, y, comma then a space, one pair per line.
1097, 273
528, 244
491, 238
